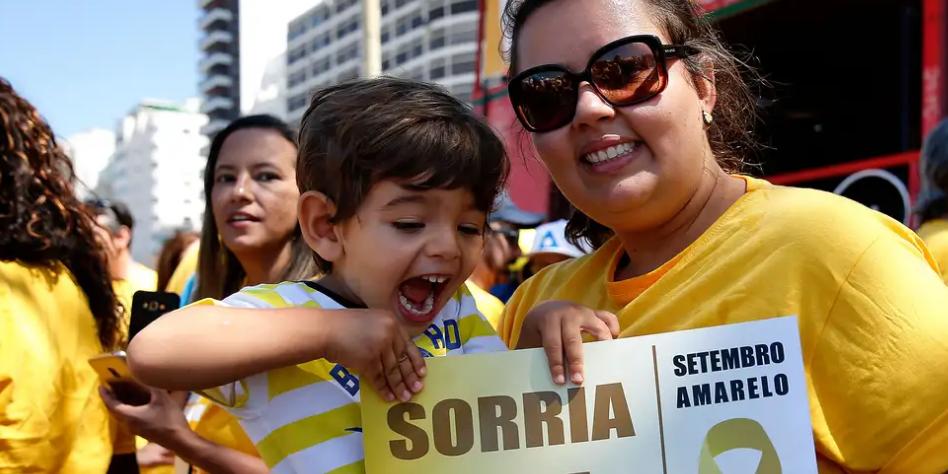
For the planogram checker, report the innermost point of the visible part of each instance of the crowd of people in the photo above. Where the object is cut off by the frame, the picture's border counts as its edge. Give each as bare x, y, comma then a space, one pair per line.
342, 256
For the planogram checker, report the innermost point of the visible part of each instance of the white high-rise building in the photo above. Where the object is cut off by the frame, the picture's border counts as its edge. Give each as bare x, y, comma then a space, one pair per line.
158, 171
89, 151
244, 57
431, 40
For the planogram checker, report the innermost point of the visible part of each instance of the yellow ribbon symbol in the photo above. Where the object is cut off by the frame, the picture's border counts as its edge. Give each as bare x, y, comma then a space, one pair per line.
734, 434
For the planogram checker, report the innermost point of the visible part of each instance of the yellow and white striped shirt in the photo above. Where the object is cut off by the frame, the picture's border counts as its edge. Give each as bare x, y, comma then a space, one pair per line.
306, 418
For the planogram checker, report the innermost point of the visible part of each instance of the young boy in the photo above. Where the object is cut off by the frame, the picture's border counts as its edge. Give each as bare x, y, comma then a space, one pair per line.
397, 178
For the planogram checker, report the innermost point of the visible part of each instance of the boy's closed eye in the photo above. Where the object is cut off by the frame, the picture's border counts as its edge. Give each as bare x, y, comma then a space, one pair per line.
471, 229
408, 226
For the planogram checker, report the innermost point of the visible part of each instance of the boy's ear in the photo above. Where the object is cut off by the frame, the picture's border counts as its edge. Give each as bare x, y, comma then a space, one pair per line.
316, 211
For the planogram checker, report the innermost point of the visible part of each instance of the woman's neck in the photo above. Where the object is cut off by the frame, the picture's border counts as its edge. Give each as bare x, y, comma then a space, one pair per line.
266, 265
649, 249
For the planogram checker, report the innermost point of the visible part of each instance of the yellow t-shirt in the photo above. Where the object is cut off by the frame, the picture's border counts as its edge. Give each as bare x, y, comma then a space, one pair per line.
142, 278
871, 308
51, 416
214, 424
487, 304
935, 235
186, 267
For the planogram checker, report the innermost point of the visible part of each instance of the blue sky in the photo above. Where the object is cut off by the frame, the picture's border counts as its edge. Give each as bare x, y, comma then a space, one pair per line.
86, 63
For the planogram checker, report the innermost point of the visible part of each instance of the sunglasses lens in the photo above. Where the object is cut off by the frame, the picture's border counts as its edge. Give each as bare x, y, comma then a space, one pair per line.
545, 100
628, 73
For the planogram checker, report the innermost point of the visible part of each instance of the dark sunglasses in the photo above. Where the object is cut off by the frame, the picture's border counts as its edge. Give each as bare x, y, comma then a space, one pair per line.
625, 72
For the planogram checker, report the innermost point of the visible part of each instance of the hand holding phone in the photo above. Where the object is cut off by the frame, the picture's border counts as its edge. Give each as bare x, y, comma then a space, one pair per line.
113, 372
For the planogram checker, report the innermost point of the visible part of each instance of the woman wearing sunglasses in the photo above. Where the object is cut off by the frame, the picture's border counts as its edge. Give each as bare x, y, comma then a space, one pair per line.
641, 116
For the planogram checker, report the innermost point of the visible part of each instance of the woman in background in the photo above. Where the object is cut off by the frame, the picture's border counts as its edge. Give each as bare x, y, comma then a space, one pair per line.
250, 236
56, 304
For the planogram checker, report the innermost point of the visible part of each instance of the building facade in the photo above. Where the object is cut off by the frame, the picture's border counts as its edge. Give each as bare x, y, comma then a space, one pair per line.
430, 40
220, 63
158, 171
89, 151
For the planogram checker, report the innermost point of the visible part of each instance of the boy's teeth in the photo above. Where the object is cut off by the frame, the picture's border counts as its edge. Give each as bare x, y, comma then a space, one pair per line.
434, 279
609, 153
423, 308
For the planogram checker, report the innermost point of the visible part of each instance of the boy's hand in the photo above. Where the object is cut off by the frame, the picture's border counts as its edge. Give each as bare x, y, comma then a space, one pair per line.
372, 343
558, 327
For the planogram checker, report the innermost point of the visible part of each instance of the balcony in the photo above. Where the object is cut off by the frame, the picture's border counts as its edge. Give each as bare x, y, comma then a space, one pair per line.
213, 127
215, 81
217, 103
216, 59
216, 37
216, 14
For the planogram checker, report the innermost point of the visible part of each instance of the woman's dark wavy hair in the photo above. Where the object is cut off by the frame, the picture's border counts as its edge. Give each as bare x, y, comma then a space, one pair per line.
735, 114
42, 220
219, 272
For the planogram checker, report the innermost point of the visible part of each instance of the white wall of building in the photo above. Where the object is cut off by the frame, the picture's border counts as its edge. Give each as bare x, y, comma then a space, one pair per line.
157, 170
263, 26
89, 151
430, 40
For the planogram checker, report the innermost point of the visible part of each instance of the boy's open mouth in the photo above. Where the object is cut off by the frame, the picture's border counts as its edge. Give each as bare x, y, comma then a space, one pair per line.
418, 297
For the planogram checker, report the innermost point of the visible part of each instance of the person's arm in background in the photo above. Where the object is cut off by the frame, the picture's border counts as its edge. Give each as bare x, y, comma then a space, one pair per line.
161, 421
879, 368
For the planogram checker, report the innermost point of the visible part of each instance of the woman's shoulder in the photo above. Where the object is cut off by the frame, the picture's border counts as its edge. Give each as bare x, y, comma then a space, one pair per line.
823, 219
573, 275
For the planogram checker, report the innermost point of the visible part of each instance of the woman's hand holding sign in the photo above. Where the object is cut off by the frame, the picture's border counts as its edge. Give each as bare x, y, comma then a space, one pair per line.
558, 326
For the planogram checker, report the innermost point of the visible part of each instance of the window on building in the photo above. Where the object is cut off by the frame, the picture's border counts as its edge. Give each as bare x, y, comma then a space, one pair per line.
437, 69
321, 65
416, 48
463, 91
384, 8
463, 6
464, 34
417, 21
347, 53
401, 26
296, 102
417, 74
319, 17
437, 39
401, 3
349, 75
296, 78
385, 35
435, 13
462, 63
343, 4
401, 57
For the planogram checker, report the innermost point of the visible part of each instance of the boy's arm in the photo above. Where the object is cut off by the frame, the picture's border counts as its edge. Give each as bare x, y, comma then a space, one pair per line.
204, 346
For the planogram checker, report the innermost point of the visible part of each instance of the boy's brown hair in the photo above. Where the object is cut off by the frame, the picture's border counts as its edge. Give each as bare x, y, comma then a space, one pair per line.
358, 133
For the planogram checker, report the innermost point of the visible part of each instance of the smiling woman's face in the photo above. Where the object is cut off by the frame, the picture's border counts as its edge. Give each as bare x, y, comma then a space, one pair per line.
255, 195
657, 149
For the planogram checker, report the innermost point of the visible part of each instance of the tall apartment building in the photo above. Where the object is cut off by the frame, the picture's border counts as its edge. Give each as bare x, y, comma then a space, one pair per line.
431, 40
220, 63
158, 171
244, 63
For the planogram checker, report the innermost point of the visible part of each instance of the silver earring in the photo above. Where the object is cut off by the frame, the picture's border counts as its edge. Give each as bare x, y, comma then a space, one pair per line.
708, 118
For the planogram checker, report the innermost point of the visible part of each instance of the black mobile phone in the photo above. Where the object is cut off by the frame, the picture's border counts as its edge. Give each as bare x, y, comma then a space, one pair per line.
148, 306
